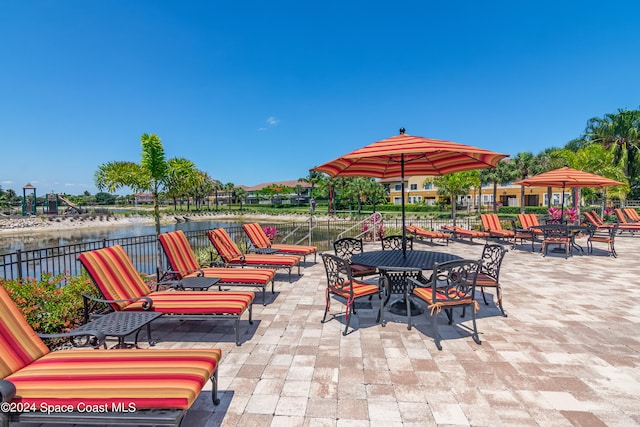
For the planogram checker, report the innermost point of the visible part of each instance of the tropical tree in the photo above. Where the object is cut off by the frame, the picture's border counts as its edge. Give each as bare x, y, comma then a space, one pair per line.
454, 185
182, 178
151, 175
239, 194
217, 186
619, 133
228, 188
526, 165
375, 192
327, 188
313, 179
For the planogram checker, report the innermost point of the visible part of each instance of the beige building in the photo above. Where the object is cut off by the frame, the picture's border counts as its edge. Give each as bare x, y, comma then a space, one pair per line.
419, 191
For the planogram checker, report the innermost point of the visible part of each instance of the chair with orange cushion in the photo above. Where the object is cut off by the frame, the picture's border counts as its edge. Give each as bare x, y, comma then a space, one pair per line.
345, 248
183, 264
607, 235
136, 387
260, 240
124, 290
594, 219
233, 256
491, 224
453, 284
489, 275
341, 283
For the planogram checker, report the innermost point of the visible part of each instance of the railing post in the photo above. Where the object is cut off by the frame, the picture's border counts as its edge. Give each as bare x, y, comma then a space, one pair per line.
19, 262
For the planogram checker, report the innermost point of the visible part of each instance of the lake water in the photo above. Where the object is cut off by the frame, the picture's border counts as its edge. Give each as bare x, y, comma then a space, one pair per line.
47, 239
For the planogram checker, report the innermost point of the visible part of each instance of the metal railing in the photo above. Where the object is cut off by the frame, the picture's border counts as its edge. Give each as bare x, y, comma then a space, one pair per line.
142, 250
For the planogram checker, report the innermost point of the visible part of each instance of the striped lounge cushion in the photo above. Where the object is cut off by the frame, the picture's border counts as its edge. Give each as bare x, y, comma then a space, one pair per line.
144, 379
187, 302
257, 235
182, 259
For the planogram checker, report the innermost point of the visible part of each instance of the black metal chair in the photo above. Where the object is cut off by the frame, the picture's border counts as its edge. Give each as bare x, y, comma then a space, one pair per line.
345, 248
556, 234
603, 235
453, 284
394, 243
489, 275
340, 282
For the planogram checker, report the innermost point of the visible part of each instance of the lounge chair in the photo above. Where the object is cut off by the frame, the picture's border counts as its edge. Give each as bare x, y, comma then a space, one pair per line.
594, 219
459, 232
491, 224
233, 256
529, 230
419, 232
183, 264
136, 387
260, 240
632, 214
123, 289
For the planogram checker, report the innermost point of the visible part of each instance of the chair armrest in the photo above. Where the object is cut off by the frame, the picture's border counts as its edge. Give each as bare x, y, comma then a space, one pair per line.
7, 390
89, 332
146, 305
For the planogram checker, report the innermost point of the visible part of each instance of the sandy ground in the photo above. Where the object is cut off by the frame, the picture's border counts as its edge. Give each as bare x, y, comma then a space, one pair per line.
36, 224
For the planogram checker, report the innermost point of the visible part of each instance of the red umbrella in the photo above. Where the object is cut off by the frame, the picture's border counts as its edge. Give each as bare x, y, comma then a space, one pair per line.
406, 155
567, 177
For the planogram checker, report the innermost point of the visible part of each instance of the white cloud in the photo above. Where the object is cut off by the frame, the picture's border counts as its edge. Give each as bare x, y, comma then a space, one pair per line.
272, 121
7, 182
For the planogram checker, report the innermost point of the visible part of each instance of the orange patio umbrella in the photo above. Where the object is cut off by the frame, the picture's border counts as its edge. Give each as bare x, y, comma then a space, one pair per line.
407, 155
567, 177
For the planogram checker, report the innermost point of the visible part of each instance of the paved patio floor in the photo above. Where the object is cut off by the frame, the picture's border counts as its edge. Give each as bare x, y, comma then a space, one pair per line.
568, 354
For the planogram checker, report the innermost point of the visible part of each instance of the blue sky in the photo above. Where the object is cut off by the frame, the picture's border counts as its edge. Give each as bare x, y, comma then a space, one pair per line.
256, 91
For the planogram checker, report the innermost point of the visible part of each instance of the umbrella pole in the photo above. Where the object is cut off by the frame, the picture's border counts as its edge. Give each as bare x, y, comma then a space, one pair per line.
404, 231
562, 205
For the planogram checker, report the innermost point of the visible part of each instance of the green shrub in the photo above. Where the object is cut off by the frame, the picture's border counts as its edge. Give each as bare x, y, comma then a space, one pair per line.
52, 304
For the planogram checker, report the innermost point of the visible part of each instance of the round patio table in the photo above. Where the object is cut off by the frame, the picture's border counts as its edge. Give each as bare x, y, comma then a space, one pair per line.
394, 260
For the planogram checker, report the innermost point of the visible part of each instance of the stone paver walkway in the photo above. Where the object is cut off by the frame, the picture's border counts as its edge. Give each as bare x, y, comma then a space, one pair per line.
568, 354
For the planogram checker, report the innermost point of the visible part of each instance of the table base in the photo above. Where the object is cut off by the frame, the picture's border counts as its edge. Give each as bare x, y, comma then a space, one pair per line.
399, 307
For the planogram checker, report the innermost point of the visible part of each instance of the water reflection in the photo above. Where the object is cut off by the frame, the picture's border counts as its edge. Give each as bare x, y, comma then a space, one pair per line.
46, 239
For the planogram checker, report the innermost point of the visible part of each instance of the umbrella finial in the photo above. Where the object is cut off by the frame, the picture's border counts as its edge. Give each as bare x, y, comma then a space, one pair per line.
401, 131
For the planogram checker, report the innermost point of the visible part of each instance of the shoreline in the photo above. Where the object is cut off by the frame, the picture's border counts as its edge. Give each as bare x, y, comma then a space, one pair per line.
11, 227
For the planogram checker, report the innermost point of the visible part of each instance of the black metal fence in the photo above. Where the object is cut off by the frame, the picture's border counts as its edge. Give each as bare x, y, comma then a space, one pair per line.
143, 249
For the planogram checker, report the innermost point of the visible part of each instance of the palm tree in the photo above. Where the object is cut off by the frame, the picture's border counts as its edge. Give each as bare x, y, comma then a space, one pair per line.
151, 174
526, 165
313, 178
182, 178
239, 194
217, 186
357, 188
620, 133
456, 184
228, 187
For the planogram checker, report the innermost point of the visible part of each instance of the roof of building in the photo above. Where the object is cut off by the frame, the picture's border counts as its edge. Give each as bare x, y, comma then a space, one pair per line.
291, 183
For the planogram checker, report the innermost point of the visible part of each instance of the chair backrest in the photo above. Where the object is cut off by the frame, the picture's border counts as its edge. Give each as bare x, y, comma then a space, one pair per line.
492, 256
256, 235
528, 220
19, 343
491, 222
394, 243
555, 232
621, 216
454, 281
224, 245
179, 252
593, 218
632, 214
339, 277
114, 274
346, 247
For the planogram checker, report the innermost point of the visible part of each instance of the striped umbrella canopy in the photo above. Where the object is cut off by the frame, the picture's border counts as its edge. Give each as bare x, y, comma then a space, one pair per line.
407, 155
567, 177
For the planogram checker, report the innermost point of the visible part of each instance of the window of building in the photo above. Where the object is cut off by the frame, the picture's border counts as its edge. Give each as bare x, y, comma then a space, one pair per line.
413, 187
428, 185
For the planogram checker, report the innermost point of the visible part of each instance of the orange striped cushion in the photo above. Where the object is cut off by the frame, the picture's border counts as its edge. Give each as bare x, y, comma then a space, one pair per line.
257, 259
19, 344
529, 220
490, 222
238, 275
257, 235
485, 280
114, 274
632, 213
144, 378
187, 302
359, 289
454, 296
226, 247
295, 249
178, 251
419, 231
465, 232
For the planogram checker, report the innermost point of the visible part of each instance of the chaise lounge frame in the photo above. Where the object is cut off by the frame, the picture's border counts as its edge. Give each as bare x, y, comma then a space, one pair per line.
122, 288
